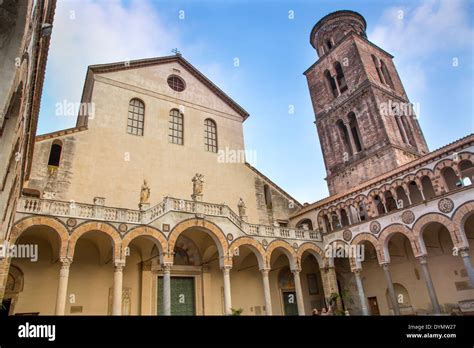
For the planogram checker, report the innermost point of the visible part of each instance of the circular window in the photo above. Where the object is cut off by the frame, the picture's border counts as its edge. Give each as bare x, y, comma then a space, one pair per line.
176, 83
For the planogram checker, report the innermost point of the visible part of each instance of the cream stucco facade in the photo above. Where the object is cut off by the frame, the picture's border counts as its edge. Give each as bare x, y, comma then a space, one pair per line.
134, 213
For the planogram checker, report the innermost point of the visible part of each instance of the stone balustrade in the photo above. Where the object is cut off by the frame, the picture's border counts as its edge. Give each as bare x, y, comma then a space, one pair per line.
36, 206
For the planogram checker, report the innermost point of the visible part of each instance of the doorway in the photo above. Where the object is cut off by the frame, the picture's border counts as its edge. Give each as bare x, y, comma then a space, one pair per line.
290, 306
374, 306
182, 296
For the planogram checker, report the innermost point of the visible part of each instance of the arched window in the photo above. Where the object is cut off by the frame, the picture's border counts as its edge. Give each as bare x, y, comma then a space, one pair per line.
355, 131
379, 205
409, 133
210, 135
344, 218
467, 172
344, 137
55, 154
427, 186
386, 74
415, 194
176, 128
341, 80
305, 224
450, 178
401, 129
377, 67
328, 44
390, 201
268, 196
402, 198
136, 117
331, 83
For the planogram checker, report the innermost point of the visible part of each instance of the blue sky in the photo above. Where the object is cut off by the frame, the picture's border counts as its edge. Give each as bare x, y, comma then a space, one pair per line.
427, 39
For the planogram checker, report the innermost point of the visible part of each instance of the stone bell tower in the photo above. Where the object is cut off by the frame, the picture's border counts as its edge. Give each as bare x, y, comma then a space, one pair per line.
366, 124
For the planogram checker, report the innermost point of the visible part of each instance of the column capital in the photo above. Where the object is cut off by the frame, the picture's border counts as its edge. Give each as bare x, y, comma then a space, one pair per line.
422, 259
357, 271
464, 252
265, 271
296, 270
119, 265
65, 261
166, 267
385, 266
226, 268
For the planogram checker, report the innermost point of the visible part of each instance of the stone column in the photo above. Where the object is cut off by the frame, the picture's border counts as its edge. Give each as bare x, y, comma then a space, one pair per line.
391, 290
227, 292
62, 286
429, 284
166, 267
330, 222
468, 265
360, 290
299, 291
407, 193
402, 129
349, 214
118, 279
266, 291
351, 137
4, 270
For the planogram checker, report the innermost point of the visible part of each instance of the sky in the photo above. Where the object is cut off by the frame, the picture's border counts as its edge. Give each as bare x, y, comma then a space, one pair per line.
432, 41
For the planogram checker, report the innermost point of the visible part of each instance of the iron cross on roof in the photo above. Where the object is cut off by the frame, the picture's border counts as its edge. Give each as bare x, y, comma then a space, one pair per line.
176, 51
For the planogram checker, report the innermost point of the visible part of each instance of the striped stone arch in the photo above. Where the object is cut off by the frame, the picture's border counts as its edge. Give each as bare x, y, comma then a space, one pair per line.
150, 233
313, 249
423, 221
206, 226
385, 188
409, 178
252, 244
374, 192
460, 216
95, 226
425, 172
444, 164
369, 237
53, 223
287, 250
389, 231
397, 183
464, 156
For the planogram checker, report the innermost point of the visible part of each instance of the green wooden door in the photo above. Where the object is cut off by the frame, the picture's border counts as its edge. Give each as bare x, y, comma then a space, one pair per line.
290, 305
182, 296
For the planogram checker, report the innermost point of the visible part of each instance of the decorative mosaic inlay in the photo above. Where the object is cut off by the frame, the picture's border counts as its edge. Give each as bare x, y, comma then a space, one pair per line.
408, 217
122, 227
264, 243
347, 235
295, 246
71, 222
445, 205
375, 227
230, 237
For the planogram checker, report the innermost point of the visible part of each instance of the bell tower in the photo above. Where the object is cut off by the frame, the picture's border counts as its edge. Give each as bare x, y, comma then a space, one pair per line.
365, 122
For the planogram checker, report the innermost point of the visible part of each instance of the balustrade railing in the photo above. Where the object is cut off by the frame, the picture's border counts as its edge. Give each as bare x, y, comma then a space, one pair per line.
28, 205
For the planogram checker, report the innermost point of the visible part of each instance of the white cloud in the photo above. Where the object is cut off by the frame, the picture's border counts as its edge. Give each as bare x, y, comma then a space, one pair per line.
414, 34
90, 32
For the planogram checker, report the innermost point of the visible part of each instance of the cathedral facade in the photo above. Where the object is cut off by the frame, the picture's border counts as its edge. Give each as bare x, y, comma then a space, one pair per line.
147, 206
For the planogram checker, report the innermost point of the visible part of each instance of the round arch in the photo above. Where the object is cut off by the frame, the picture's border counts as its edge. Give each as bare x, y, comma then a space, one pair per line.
151, 233
388, 233
425, 220
313, 249
368, 237
459, 218
80, 230
53, 223
287, 250
209, 227
253, 245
